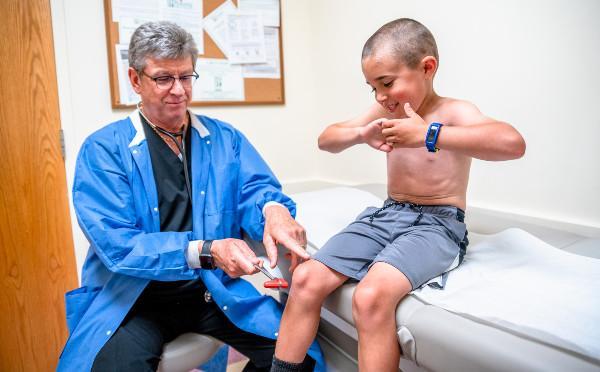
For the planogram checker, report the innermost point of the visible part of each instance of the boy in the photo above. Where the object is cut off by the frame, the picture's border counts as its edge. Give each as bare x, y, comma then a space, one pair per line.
419, 233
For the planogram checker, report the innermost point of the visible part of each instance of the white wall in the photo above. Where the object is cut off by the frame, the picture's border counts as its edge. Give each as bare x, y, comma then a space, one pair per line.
533, 64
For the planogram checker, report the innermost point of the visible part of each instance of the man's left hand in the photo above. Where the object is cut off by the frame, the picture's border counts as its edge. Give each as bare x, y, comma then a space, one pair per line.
281, 228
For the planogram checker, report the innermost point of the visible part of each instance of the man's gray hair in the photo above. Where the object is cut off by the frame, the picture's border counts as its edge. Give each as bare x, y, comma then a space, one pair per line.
160, 40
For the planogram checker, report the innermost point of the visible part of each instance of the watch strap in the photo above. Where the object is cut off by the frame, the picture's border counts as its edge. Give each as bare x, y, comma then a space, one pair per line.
206, 258
432, 135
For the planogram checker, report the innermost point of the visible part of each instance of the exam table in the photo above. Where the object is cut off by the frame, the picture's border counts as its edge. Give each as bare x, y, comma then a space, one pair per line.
434, 339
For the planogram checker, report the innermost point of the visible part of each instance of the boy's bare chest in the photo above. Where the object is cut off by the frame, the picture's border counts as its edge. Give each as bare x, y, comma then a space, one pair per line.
422, 161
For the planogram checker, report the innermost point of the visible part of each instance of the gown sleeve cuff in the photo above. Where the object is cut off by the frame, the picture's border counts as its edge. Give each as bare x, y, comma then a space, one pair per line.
268, 204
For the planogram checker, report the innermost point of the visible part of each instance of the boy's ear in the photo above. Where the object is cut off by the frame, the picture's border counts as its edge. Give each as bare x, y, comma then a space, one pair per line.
429, 65
134, 78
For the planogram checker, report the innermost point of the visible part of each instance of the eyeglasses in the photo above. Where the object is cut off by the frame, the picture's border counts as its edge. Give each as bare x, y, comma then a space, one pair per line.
166, 82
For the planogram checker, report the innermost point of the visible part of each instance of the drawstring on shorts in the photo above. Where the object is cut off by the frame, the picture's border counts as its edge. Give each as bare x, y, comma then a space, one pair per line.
414, 207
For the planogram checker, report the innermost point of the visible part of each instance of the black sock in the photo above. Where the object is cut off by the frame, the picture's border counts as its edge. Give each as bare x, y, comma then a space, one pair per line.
282, 366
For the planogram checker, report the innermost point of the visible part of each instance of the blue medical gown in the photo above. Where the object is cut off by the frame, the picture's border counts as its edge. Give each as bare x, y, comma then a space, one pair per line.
116, 203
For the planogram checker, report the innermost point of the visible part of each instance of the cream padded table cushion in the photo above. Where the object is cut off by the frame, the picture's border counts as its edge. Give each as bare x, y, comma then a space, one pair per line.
438, 339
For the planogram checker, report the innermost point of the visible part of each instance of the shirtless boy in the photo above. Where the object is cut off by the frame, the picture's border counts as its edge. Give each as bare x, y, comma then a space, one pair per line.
419, 233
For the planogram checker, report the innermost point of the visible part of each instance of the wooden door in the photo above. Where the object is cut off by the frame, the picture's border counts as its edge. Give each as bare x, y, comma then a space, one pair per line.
37, 261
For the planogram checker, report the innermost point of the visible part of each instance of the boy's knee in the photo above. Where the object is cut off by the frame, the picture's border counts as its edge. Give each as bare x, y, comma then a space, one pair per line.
303, 277
366, 299
307, 281
371, 303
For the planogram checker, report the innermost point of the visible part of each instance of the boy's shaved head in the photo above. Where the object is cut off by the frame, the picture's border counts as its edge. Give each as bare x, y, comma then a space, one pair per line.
405, 39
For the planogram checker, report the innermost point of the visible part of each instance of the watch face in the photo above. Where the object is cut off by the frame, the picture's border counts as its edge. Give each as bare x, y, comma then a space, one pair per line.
206, 262
431, 134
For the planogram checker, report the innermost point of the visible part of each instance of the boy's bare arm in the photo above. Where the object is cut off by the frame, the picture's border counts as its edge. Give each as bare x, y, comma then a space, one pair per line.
493, 140
365, 128
481, 137
471, 133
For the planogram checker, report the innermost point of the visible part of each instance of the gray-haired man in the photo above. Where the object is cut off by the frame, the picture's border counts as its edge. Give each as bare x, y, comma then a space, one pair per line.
163, 197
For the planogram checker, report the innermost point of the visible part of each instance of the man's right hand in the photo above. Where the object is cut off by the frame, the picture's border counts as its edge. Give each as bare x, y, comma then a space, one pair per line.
234, 257
371, 135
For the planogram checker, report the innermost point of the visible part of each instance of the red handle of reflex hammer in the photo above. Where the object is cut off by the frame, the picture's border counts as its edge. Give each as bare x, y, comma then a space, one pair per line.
276, 283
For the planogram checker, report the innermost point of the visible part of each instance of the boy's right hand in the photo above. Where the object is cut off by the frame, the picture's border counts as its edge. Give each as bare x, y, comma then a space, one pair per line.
371, 135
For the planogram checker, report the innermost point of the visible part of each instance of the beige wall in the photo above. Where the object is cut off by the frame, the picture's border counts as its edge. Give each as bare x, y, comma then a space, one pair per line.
531, 63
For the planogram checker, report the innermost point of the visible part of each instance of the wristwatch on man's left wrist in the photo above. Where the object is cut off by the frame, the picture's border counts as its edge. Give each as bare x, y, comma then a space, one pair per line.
206, 259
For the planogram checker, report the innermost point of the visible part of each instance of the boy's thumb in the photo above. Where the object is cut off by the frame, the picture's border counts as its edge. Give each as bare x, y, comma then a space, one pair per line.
409, 110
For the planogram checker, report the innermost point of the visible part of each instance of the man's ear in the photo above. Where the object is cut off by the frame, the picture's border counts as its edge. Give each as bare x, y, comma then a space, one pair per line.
429, 65
135, 80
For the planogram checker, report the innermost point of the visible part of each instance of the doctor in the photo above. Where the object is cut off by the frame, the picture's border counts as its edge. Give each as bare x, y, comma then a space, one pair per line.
163, 197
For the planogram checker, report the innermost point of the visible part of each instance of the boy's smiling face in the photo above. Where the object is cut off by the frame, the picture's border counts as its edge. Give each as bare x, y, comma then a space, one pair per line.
394, 83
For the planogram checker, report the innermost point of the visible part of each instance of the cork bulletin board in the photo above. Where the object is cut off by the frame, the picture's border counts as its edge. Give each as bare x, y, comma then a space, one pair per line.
259, 82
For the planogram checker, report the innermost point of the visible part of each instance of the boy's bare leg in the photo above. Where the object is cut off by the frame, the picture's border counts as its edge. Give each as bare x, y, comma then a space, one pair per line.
374, 310
312, 282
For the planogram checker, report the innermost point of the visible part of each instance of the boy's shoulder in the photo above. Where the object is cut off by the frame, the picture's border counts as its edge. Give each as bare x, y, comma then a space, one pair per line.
449, 103
456, 111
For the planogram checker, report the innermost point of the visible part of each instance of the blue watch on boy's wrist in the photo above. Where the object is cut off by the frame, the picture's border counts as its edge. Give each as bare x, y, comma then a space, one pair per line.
432, 136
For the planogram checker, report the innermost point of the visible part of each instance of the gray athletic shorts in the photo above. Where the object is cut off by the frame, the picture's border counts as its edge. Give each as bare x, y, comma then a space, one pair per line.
423, 242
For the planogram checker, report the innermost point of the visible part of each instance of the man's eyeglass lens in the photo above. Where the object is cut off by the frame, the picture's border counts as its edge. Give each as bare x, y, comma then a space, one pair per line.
166, 82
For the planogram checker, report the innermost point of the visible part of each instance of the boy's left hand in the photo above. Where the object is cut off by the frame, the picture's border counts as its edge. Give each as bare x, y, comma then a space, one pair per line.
408, 132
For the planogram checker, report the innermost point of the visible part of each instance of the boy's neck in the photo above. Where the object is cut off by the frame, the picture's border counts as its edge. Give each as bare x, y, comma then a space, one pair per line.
430, 100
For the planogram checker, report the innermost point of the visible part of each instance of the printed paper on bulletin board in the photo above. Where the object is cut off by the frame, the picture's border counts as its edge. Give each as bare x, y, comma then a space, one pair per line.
240, 59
